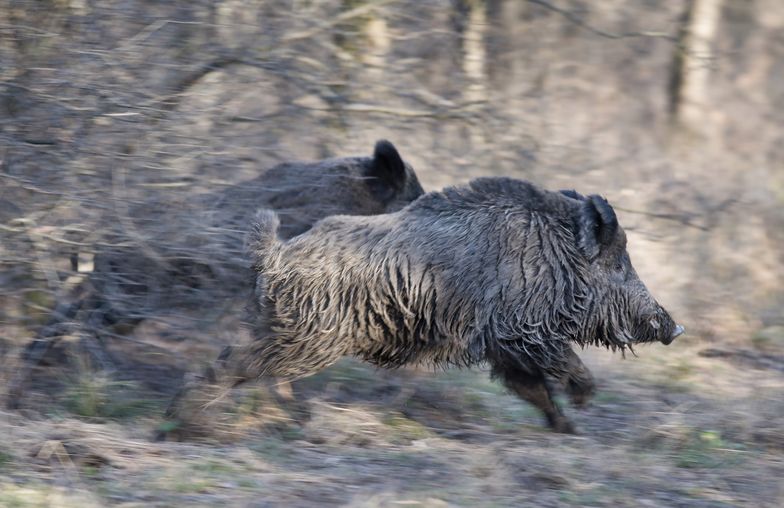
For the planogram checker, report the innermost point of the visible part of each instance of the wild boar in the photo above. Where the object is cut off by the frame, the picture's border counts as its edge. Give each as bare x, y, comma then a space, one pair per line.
499, 271
164, 255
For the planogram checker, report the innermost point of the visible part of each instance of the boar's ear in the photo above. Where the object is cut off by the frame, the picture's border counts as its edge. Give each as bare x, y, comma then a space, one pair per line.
387, 169
571, 193
598, 225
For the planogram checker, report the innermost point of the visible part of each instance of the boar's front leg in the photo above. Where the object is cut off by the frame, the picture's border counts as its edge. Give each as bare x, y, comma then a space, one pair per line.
530, 384
578, 380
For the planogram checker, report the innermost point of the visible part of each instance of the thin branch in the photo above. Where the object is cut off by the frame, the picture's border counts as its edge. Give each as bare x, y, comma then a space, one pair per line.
573, 18
26, 185
350, 14
151, 29
685, 219
458, 112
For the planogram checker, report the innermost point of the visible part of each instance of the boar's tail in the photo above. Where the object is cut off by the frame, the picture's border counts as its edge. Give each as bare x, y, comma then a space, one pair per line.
264, 234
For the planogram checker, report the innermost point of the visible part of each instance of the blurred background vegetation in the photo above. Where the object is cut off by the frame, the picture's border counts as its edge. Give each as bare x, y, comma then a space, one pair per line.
672, 109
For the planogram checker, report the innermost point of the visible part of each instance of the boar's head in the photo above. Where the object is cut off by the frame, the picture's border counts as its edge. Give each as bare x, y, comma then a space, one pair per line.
304, 193
621, 310
390, 179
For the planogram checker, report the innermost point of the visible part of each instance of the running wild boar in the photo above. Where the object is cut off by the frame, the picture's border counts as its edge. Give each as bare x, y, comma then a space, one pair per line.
498, 271
168, 255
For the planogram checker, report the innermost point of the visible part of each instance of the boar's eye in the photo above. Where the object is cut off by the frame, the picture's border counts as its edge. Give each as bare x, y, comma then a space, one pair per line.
619, 267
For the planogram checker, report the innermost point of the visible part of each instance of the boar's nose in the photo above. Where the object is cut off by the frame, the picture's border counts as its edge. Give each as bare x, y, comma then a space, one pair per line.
678, 331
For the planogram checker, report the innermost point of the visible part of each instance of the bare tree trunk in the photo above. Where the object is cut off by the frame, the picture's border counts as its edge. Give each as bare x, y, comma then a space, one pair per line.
375, 56
475, 61
692, 66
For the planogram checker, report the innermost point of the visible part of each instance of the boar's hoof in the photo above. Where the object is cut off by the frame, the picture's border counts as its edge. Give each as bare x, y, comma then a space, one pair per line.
562, 425
580, 389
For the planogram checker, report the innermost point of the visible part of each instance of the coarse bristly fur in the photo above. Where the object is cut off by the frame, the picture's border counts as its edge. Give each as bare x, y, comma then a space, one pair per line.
498, 271
193, 255
166, 256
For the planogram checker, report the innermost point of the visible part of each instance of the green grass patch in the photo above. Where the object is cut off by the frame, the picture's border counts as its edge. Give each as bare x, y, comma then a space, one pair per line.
402, 430
37, 495
38, 304
169, 426
591, 497
608, 397
707, 449
770, 339
216, 467
346, 370
191, 485
90, 471
247, 483
5, 459
676, 376
91, 395
271, 449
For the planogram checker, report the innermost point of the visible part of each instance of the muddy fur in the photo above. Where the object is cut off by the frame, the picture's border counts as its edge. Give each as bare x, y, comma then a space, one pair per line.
498, 271
165, 255
193, 255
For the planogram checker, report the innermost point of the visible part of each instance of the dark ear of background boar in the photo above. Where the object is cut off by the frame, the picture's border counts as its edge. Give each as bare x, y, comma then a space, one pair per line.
498, 271
193, 259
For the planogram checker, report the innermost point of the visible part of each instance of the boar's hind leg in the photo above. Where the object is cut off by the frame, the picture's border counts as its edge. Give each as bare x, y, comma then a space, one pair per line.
529, 384
269, 357
90, 313
35, 351
234, 366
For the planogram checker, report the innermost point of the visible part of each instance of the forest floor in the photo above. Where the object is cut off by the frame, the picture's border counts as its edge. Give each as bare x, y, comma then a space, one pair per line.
670, 427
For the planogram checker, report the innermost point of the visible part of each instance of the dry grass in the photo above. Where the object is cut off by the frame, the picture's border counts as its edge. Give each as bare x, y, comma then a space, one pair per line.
358, 437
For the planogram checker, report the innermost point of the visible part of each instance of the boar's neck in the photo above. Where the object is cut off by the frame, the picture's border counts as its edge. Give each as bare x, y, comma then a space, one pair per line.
545, 297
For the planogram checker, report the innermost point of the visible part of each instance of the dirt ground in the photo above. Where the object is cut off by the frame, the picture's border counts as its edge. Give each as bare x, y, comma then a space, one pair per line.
670, 427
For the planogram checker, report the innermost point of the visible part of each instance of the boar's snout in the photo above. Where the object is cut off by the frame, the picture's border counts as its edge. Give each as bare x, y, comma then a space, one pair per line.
657, 326
675, 333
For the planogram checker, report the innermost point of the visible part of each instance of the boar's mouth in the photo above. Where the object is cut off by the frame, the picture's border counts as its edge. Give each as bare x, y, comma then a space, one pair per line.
656, 328
621, 331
